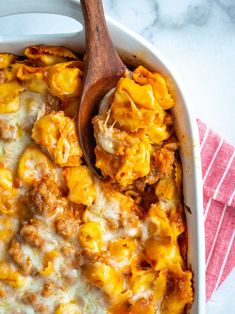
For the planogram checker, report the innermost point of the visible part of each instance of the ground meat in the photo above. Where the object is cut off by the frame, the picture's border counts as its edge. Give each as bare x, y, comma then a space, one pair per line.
68, 223
48, 288
168, 120
8, 132
17, 311
80, 258
68, 250
31, 233
33, 300
29, 298
66, 226
163, 160
44, 197
20, 258
41, 308
76, 210
149, 197
69, 275
18, 182
53, 103
2, 76
140, 184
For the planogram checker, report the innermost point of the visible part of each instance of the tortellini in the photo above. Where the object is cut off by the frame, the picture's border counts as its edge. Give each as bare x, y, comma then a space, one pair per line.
90, 236
105, 277
8, 201
6, 178
162, 252
57, 133
158, 222
34, 165
11, 276
8, 193
10, 73
157, 133
132, 163
68, 308
64, 79
6, 59
161, 244
141, 306
122, 252
122, 249
136, 121
6, 227
48, 55
180, 294
133, 106
143, 281
118, 244
142, 76
165, 189
80, 183
33, 78
9, 96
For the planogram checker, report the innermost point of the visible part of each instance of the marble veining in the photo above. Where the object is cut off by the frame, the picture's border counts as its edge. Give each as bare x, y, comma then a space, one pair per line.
168, 13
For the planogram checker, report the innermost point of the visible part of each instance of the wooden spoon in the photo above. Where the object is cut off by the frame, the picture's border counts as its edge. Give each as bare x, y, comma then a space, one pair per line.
103, 69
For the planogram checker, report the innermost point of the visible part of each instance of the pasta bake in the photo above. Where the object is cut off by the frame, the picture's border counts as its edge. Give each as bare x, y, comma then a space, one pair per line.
71, 243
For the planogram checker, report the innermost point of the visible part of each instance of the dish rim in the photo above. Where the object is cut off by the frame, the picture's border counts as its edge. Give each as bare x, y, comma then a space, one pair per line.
66, 8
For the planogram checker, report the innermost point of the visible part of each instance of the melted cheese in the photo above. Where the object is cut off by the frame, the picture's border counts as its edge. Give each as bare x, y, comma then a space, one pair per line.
91, 300
131, 249
105, 139
104, 208
31, 107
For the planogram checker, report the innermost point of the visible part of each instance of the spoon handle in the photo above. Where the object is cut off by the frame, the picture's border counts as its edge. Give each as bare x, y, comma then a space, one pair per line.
99, 45
103, 69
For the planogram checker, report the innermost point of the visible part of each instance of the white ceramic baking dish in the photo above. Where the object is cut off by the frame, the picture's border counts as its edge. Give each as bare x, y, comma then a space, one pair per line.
137, 50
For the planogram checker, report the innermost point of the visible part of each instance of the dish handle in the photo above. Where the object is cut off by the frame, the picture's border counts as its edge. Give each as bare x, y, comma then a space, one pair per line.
70, 8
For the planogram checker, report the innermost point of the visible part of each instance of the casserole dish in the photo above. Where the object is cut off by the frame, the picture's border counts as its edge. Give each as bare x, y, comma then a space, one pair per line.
135, 50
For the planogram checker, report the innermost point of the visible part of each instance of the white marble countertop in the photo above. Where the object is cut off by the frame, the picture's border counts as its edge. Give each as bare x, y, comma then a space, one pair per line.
198, 38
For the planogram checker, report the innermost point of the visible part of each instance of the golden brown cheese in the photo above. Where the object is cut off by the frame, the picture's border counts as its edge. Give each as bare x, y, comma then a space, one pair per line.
133, 106
49, 55
57, 133
9, 96
64, 79
80, 184
158, 83
69, 242
33, 78
33, 165
6, 59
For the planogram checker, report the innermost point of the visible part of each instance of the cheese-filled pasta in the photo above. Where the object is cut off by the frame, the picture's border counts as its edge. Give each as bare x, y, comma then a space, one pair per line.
73, 243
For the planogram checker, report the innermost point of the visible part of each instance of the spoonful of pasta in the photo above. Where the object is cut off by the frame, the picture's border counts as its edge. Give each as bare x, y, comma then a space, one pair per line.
103, 69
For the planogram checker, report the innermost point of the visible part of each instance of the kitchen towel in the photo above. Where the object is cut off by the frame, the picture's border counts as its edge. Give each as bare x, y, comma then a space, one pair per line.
218, 173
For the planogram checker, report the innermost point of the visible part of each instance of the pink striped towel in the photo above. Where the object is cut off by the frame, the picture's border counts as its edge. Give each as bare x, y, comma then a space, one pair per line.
218, 172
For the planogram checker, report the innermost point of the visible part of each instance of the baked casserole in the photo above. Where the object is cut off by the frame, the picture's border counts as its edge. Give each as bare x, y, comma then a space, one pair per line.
71, 243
